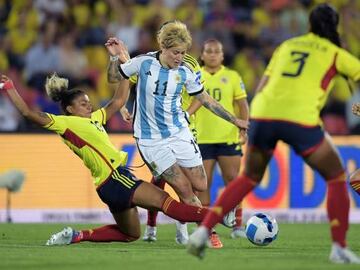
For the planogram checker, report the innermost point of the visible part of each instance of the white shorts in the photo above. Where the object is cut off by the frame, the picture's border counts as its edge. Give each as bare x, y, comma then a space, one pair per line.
161, 154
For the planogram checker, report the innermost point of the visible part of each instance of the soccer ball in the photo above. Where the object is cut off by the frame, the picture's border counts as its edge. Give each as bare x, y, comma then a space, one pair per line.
261, 229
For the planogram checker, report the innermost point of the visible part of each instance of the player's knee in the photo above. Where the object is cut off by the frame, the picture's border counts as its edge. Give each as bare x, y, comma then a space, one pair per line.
134, 237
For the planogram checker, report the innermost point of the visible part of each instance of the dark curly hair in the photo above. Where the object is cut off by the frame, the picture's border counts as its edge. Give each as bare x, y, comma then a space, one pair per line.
324, 20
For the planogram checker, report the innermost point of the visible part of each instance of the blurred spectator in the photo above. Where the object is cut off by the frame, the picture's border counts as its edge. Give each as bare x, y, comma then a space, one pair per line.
42, 58
249, 29
219, 23
294, 18
251, 66
272, 35
50, 9
124, 28
20, 32
9, 117
72, 61
5, 8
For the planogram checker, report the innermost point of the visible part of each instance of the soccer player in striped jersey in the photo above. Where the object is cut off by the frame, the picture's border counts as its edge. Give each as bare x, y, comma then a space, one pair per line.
181, 228
287, 107
218, 140
182, 235
160, 125
355, 176
82, 131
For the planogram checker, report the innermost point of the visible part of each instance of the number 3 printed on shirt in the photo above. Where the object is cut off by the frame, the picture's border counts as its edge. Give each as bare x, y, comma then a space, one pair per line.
298, 58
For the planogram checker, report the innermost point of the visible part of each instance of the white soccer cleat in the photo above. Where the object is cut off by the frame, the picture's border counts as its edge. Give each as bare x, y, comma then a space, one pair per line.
339, 254
182, 235
149, 234
198, 241
229, 220
238, 232
63, 237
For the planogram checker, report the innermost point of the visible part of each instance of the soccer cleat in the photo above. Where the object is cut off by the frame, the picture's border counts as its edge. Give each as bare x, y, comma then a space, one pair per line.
182, 235
238, 232
149, 234
229, 220
63, 237
339, 255
214, 241
198, 242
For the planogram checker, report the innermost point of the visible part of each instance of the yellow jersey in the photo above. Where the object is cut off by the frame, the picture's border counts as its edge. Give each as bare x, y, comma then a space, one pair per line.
224, 86
300, 76
87, 138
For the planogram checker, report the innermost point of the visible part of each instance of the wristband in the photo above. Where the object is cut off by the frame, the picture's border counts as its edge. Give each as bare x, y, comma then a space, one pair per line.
114, 58
7, 85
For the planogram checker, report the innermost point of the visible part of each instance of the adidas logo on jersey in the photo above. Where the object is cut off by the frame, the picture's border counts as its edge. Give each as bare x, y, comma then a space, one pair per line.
148, 73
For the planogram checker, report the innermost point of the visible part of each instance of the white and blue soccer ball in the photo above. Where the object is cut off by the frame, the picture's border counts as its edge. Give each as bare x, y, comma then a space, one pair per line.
261, 229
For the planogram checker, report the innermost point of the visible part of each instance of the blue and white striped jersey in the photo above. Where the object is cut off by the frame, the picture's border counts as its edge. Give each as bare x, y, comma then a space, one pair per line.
158, 112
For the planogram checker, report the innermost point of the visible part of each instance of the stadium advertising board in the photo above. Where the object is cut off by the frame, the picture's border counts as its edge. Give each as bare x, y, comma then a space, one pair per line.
58, 187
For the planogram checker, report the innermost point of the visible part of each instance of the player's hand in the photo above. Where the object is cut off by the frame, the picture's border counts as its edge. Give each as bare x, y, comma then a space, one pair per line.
116, 47
356, 109
243, 137
6, 83
242, 124
126, 115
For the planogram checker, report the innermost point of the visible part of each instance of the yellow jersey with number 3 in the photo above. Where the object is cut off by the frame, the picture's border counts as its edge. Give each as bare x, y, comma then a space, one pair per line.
301, 73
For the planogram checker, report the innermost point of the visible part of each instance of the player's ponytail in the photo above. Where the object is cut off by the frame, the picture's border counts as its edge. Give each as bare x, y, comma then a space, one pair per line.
324, 21
56, 86
57, 89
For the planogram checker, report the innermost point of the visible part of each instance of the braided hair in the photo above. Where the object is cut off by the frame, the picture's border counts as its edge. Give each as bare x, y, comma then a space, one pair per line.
57, 89
324, 21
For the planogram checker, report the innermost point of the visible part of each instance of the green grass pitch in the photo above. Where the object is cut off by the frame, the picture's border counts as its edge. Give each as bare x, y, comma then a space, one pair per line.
299, 246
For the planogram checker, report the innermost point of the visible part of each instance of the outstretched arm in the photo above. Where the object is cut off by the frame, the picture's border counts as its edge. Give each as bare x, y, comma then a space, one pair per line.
37, 117
219, 110
356, 108
118, 54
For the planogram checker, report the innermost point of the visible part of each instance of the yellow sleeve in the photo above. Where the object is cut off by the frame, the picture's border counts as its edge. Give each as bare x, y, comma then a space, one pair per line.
99, 115
195, 67
348, 65
239, 87
57, 123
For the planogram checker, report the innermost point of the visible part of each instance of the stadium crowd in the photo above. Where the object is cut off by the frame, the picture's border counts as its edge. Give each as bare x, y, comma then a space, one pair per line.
38, 37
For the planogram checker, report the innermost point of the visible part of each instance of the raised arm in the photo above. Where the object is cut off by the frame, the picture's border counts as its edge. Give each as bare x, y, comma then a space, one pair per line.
118, 54
219, 110
37, 117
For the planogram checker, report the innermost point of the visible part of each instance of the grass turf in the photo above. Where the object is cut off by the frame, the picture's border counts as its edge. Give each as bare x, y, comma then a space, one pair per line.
299, 246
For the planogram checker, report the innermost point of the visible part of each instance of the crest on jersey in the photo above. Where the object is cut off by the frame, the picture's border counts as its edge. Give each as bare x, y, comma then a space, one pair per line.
224, 80
177, 78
